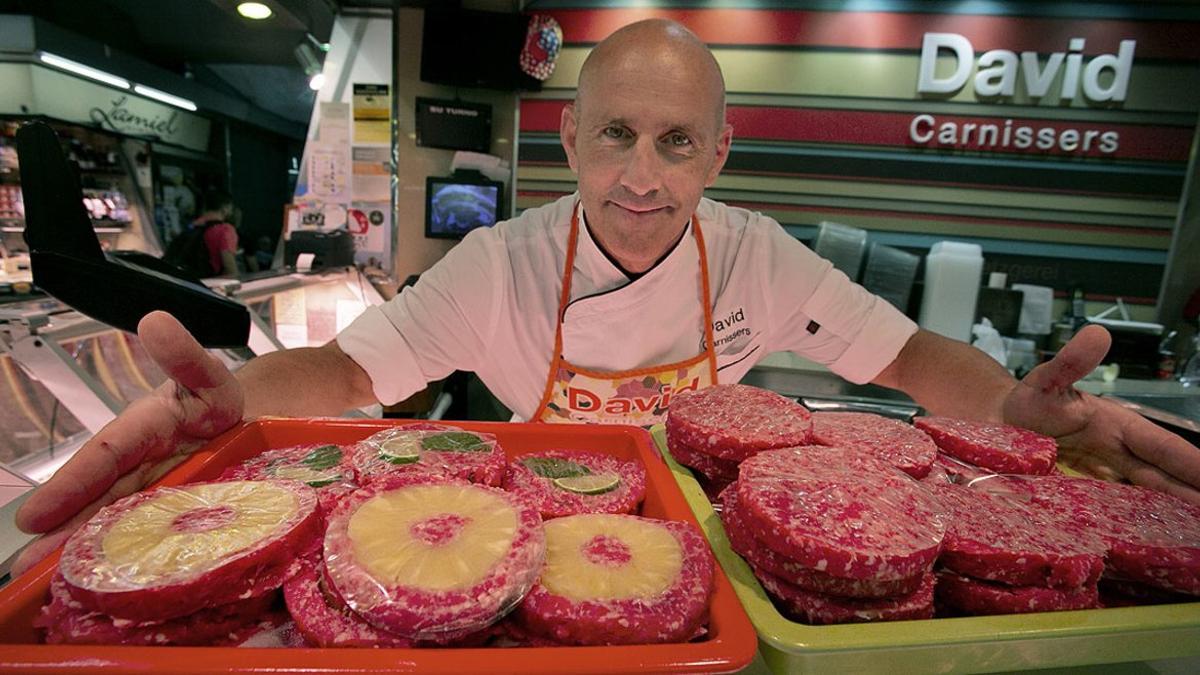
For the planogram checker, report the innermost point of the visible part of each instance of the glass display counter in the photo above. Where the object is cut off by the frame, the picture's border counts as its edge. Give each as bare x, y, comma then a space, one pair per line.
63, 376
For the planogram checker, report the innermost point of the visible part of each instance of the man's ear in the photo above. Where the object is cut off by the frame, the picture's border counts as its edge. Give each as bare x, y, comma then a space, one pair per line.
566, 132
723, 143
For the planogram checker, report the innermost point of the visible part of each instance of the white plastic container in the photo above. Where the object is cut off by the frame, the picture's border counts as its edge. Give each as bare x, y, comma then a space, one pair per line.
1036, 318
953, 271
842, 245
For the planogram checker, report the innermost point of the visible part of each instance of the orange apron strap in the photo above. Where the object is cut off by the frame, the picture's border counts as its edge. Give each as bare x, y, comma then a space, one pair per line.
564, 298
706, 300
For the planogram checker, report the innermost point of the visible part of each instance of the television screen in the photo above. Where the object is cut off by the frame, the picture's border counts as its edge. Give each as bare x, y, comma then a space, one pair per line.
454, 125
467, 48
455, 206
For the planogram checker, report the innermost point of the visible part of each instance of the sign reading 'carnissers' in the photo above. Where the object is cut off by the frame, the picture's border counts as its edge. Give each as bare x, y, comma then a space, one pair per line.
999, 73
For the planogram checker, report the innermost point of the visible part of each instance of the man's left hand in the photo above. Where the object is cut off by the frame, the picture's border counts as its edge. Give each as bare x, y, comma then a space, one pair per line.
1098, 436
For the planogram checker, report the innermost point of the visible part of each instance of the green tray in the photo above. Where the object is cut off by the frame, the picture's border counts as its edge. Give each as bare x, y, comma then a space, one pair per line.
970, 644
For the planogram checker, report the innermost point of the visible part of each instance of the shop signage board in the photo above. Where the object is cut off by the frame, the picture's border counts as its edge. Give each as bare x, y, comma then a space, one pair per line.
76, 100
1100, 80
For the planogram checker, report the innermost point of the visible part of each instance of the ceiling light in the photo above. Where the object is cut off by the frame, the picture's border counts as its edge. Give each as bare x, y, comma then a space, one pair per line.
321, 46
254, 10
311, 64
80, 69
164, 97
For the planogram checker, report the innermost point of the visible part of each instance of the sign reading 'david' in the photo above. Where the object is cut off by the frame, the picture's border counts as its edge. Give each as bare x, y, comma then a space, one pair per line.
999, 74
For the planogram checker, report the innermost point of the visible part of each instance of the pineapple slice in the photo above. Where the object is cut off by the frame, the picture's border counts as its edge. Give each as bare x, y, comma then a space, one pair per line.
433, 537
429, 559
609, 557
616, 579
173, 551
193, 529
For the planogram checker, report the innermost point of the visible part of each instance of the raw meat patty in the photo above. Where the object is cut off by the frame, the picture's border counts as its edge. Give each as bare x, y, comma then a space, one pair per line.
997, 447
427, 558
618, 579
998, 537
840, 512
545, 480
760, 557
66, 621
735, 421
816, 608
975, 597
430, 448
896, 443
173, 551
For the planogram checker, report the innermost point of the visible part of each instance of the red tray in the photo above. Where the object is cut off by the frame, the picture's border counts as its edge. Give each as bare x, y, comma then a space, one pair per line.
730, 644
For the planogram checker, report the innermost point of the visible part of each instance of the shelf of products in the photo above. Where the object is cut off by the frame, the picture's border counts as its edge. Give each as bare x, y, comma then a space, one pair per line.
111, 195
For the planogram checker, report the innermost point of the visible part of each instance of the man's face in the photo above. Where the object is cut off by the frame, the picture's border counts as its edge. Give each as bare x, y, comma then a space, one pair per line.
644, 143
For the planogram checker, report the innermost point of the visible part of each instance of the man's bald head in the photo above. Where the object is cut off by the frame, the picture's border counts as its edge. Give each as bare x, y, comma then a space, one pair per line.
665, 45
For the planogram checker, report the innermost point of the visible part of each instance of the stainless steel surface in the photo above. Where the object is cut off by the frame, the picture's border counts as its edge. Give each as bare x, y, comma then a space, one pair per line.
1170, 409
896, 410
46, 361
815, 384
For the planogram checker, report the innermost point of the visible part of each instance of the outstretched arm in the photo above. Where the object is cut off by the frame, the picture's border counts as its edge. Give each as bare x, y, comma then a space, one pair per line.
1098, 436
200, 400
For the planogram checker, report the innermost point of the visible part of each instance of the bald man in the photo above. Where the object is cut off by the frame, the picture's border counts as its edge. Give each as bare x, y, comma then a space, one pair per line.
603, 305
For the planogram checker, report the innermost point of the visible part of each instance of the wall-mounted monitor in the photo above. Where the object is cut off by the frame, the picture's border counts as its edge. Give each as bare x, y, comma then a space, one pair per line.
454, 125
457, 204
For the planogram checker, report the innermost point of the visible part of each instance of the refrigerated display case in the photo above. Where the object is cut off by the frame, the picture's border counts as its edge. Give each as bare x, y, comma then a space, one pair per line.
113, 173
66, 375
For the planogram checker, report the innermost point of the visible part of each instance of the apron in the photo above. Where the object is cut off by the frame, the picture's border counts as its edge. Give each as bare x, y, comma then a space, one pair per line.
640, 396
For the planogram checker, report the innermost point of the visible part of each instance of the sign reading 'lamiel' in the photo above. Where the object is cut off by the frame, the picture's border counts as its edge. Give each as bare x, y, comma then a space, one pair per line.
999, 73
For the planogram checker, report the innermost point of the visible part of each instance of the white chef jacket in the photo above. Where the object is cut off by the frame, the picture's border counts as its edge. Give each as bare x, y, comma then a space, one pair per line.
489, 306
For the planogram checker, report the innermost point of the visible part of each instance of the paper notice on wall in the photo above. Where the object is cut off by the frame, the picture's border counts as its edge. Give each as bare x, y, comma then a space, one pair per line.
371, 225
372, 174
329, 172
333, 123
372, 113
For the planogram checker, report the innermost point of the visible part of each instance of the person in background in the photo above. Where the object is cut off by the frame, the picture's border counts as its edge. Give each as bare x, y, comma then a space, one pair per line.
220, 232
262, 256
637, 286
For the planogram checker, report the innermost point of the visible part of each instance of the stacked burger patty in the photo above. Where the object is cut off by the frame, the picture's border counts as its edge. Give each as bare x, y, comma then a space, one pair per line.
835, 535
979, 522
713, 430
198, 564
405, 539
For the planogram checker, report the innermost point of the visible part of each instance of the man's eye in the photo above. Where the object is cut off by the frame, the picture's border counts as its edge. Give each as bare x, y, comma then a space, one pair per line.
679, 140
615, 133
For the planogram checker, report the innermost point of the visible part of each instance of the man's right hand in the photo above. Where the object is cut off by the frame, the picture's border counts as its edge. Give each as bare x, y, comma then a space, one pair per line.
200, 400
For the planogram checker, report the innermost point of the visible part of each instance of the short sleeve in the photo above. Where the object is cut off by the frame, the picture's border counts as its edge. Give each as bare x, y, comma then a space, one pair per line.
441, 324
820, 314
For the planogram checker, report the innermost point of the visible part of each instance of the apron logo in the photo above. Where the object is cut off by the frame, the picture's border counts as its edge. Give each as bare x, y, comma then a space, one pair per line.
721, 325
582, 400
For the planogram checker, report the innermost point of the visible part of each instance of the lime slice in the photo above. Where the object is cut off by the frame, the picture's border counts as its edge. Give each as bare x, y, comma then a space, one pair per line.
553, 467
403, 450
593, 484
454, 441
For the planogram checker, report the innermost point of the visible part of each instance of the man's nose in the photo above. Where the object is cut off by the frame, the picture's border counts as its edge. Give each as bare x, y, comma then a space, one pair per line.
643, 168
